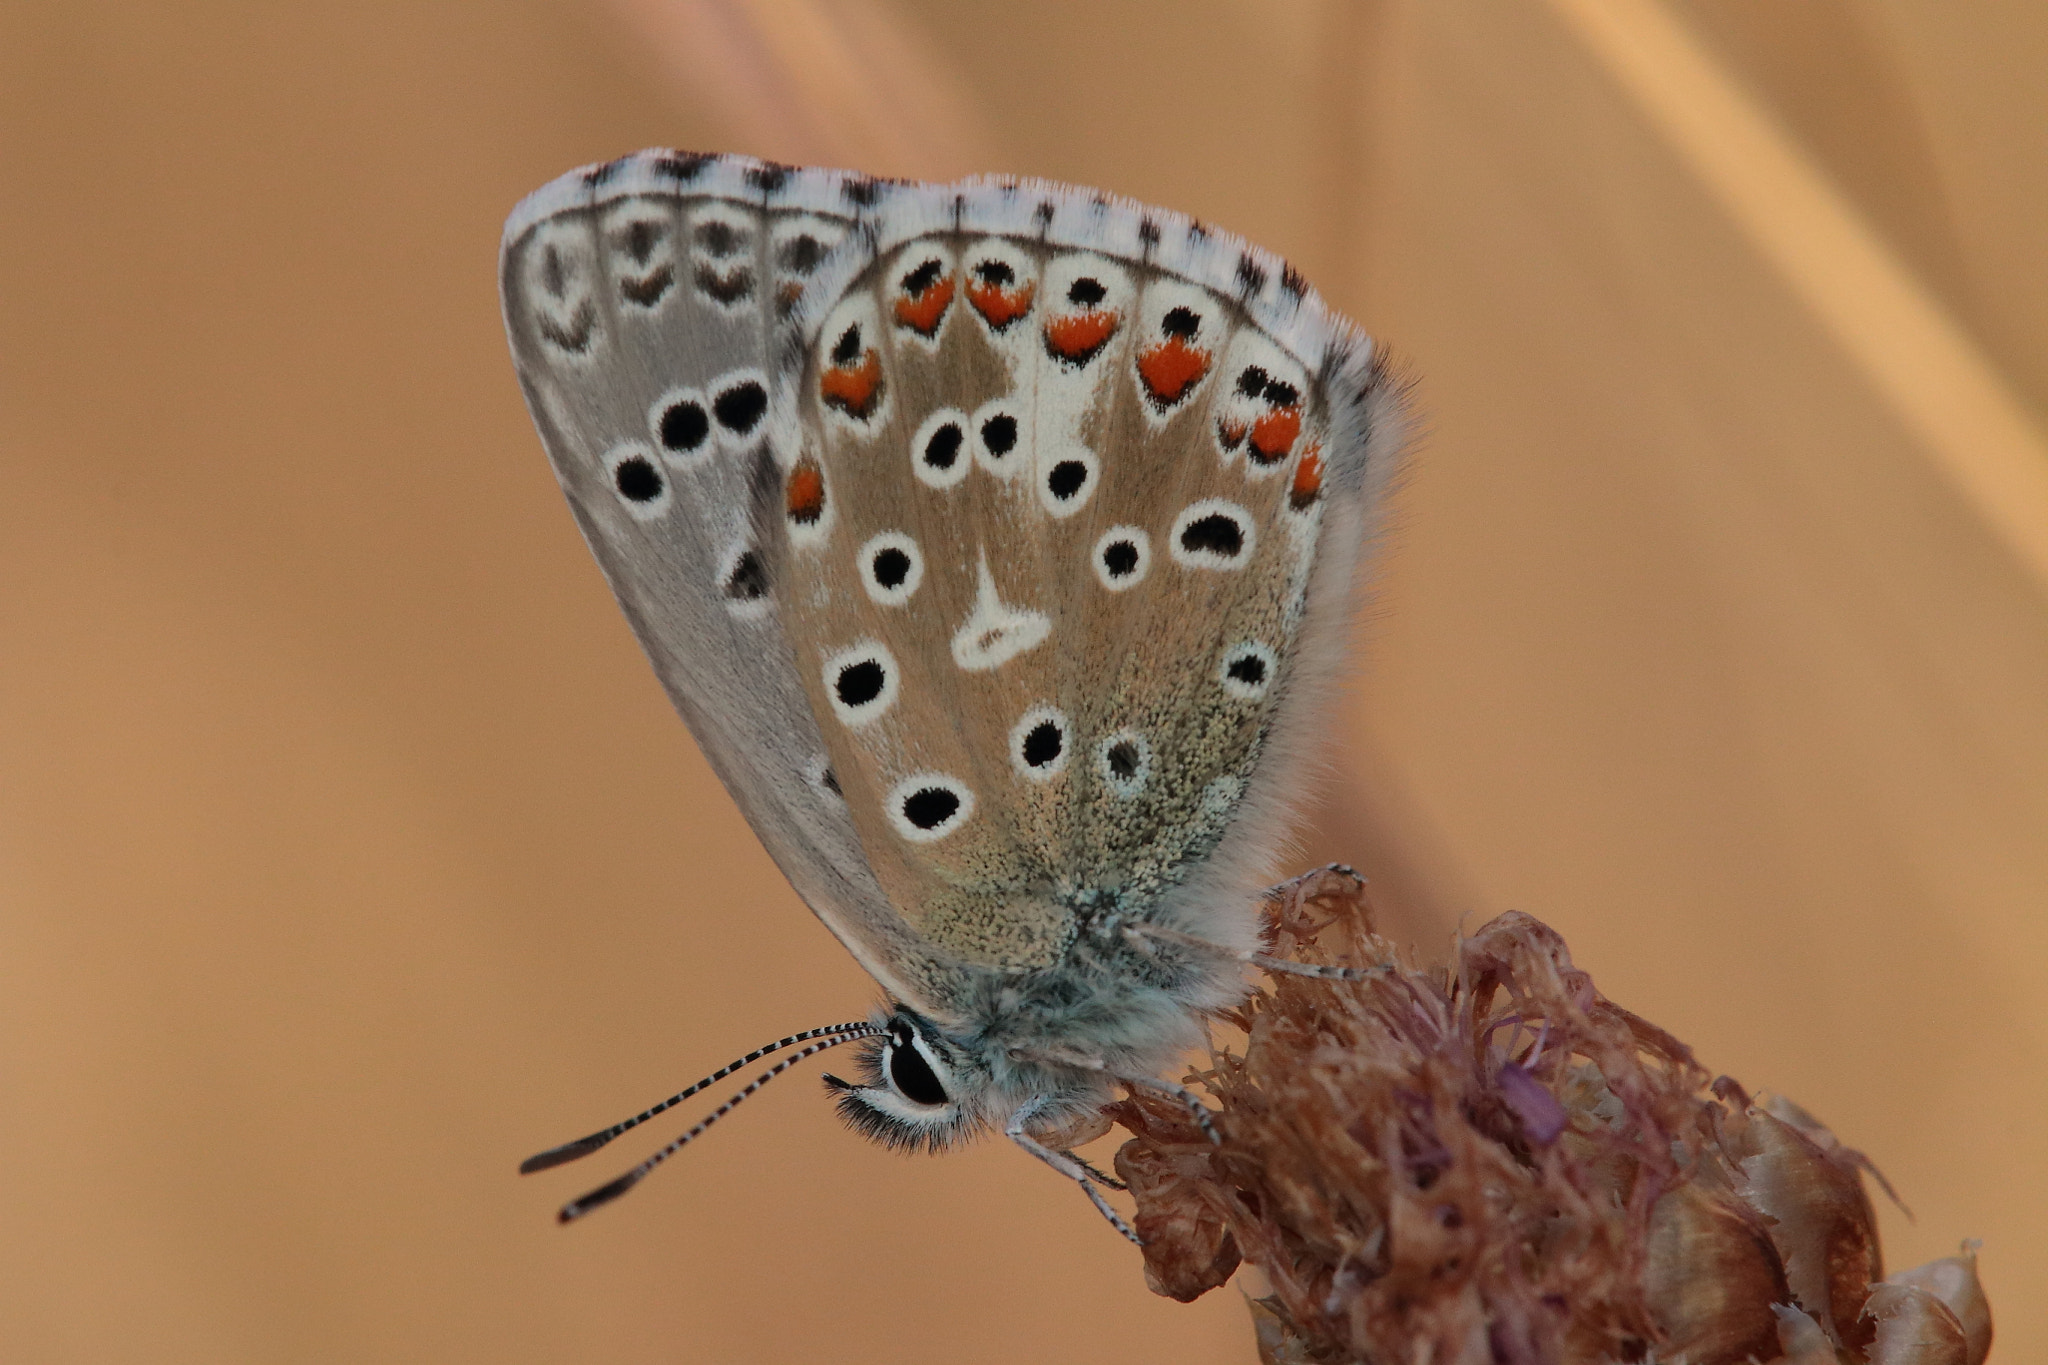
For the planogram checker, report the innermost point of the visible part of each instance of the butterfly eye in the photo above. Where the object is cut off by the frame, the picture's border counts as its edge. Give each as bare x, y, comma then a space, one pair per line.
911, 1074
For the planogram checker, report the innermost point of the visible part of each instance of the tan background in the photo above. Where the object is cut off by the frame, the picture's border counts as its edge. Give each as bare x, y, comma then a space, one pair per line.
348, 851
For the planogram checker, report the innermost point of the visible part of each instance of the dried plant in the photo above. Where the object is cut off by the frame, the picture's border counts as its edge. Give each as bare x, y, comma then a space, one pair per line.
1492, 1163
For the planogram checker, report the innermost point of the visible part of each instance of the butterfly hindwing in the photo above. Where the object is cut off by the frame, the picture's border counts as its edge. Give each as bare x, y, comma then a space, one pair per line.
641, 299
1057, 512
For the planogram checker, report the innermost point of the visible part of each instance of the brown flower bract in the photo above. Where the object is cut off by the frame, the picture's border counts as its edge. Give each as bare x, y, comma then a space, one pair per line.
1494, 1164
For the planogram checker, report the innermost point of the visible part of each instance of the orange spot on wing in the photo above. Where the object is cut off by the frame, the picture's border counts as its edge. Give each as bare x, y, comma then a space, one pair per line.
1273, 435
806, 493
1308, 479
853, 389
999, 306
923, 312
1230, 433
1171, 368
1077, 337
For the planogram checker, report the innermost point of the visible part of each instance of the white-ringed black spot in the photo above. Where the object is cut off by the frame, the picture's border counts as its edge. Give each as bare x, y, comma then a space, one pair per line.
684, 426
929, 806
1086, 292
739, 409
861, 682
1066, 479
748, 580
923, 278
999, 435
1253, 381
938, 451
1121, 557
1247, 670
1038, 743
890, 567
1124, 762
1181, 322
1218, 533
846, 350
942, 447
995, 272
1213, 534
637, 479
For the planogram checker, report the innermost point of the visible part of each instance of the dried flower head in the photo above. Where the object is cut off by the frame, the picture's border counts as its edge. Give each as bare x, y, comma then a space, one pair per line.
1494, 1163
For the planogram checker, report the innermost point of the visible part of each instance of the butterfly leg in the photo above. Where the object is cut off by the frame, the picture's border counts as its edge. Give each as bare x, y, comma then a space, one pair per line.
1197, 1110
1073, 1168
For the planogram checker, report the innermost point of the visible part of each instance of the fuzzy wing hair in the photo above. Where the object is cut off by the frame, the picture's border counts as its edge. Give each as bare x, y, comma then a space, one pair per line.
641, 299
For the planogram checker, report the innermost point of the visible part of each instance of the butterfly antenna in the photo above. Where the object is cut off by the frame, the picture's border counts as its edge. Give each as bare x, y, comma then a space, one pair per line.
604, 1194
584, 1146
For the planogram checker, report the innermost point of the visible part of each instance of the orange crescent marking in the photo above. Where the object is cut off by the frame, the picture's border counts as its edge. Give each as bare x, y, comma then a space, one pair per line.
806, 492
1273, 434
999, 306
1077, 336
922, 312
1171, 368
1308, 478
853, 388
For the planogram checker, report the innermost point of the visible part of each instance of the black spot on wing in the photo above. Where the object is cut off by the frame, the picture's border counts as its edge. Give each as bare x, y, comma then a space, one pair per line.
682, 167
1251, 276
769, 177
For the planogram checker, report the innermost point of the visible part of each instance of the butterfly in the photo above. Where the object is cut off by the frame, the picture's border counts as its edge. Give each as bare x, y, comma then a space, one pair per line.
995, 540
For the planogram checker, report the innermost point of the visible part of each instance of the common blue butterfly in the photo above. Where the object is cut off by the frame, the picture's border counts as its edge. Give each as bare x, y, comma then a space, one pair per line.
995, 541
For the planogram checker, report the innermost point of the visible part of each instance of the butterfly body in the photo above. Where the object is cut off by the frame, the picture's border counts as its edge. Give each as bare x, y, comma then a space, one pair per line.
994, 540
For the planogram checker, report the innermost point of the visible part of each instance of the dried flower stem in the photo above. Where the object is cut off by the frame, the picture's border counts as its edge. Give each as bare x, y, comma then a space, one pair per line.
1494, 1163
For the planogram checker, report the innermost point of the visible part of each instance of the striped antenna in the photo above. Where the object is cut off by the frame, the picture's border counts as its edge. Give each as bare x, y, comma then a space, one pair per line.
584, 1146
604, 1194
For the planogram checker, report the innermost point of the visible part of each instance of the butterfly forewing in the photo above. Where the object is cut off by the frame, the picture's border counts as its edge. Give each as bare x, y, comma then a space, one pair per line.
641, 300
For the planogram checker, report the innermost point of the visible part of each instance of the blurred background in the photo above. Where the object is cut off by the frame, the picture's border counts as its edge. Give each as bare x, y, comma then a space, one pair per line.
349, 851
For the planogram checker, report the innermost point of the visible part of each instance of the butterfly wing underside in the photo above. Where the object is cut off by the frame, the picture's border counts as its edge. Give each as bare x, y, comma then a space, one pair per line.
1070, 484
991, 538
640, 300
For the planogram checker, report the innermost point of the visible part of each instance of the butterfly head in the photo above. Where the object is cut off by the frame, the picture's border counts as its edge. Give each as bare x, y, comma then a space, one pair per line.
915, 1089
